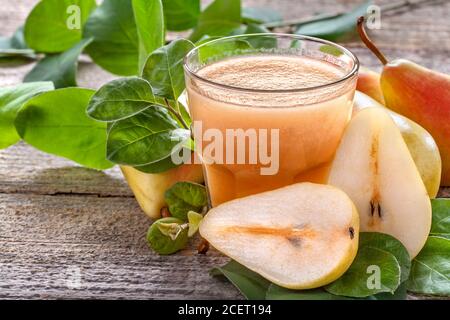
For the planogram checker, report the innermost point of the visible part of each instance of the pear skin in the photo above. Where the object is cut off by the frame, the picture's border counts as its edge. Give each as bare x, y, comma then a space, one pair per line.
374, 167
369, 83
301, 236
418, 93
420, 143
149, 188
423, 96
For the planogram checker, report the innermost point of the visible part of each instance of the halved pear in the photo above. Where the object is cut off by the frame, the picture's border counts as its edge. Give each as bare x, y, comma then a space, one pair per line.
420, 143
301, 236
374, 167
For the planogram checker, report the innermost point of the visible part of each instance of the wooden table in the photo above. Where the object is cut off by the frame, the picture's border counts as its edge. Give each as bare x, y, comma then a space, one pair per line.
60, 222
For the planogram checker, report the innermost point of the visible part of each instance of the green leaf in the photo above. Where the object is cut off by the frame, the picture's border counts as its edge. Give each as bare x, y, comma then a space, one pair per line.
260, 15
194, 220
278, 293
183, 107
275, 292
220, 50
335, 28
249, 283
252, 284
55, 25
11, 100
17, 53
391, 245
329, 49
430, 271
164, 164
5, 42
167, 236
147, 137
205, 39
255, 28
181, 14
400, 294
158, 167
164, 69
218, 19
15, 47
354, 282
235, 32
150, 27
61, 68
263, 41
120, 99
56, 122
183, 197
358, 279
441, 218
116, 43
16, 41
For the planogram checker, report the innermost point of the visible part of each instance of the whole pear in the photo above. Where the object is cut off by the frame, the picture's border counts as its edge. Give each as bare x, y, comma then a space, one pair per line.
420, 143
369, 83
149, 188
420, 94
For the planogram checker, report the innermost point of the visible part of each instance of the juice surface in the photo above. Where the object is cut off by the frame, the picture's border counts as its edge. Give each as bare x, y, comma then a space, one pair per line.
310, 122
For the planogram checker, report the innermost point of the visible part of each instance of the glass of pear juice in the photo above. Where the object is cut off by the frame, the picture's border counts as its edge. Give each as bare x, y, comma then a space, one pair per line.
298, 86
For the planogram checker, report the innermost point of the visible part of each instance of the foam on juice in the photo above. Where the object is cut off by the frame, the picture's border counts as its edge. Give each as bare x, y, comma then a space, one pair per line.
272, 72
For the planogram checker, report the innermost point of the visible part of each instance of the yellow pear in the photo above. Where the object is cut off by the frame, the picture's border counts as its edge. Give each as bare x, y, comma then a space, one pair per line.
301, 236
149, 188
374, 167
421, 144
369, 83
421, 94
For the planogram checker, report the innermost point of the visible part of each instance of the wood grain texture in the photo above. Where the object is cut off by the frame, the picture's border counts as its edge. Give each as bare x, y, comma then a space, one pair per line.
46, 240
58, 221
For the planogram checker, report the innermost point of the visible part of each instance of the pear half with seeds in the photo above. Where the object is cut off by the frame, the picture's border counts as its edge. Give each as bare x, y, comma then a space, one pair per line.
301, 236
374, 167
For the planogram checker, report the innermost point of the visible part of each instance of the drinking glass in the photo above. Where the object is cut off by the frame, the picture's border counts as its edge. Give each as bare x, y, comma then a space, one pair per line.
309, 118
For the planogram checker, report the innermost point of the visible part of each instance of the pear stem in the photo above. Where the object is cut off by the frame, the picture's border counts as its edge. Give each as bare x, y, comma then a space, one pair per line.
369, 43
176, 114
203, 247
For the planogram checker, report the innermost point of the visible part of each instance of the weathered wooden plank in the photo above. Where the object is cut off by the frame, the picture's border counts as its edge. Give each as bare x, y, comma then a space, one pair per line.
24, 169
46, 240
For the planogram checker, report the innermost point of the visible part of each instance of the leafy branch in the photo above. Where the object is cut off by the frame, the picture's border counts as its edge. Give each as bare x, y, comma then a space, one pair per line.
388, 7
176, 114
